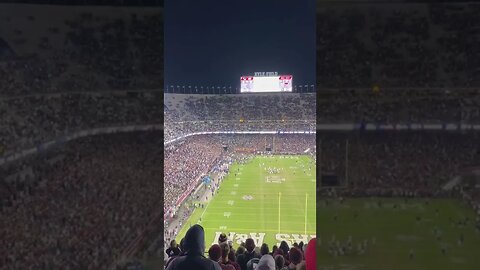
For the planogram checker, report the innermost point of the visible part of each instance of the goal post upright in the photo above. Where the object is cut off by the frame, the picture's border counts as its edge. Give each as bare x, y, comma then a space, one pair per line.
306, 203
279, 199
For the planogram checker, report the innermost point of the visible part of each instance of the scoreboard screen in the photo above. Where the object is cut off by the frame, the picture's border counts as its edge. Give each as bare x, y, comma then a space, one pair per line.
262, 84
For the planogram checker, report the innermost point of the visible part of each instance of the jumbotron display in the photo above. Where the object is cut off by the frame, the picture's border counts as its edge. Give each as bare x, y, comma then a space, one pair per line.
263, 84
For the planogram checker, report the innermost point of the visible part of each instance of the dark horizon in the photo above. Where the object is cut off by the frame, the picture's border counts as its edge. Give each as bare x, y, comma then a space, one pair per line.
236, 39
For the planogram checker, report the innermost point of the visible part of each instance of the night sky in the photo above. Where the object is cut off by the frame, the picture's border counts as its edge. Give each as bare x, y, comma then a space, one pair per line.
214, 42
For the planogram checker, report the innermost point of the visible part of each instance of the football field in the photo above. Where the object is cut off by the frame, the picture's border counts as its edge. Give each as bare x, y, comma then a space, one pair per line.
269, 199
397, 234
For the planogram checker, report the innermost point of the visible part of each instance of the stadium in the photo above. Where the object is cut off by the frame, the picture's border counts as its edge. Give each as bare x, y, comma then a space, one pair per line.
398, 153
248, 161
240, 136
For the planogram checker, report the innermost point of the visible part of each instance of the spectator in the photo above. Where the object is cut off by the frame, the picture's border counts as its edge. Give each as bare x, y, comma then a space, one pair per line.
242, 259
264, 249
194, 249
266, 262
173, 250
311, 255
284, 247
225, 262
215, 253
279, 262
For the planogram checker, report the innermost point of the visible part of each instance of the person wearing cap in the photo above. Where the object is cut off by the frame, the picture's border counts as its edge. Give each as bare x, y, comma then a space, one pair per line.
193, 254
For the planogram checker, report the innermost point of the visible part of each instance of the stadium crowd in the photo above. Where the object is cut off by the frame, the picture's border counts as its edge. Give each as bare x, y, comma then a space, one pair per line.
184, 164
66, 69
29, 121
398, 45
400, 105
82, 51
186, 114
234, 107
80, 206
392, 163
248, 256
50, 70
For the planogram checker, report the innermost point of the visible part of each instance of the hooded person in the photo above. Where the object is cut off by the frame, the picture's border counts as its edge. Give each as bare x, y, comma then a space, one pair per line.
311, 255
266, 263
182, 246
193, 254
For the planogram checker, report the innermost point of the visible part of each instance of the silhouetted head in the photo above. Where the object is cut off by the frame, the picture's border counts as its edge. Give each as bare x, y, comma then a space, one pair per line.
195, 240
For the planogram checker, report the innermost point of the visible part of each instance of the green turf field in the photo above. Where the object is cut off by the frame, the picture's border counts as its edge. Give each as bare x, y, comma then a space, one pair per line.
269, 207
393, 233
